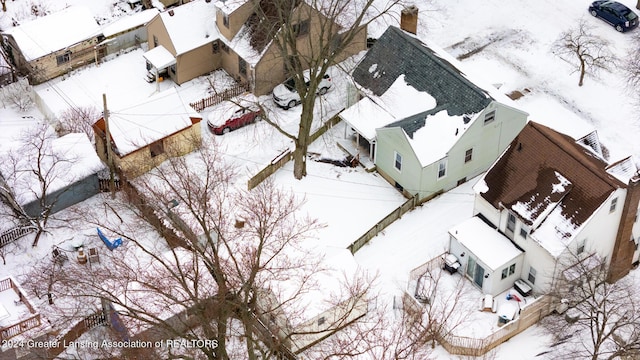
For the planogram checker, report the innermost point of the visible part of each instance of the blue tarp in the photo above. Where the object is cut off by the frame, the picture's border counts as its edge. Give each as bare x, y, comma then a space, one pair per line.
111, 245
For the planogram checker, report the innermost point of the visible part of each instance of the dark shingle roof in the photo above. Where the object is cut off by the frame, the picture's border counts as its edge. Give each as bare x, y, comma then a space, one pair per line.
528, 167
397, 52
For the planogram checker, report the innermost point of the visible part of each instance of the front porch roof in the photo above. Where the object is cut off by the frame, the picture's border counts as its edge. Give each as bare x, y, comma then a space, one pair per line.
159, 57
399, 101
487, 244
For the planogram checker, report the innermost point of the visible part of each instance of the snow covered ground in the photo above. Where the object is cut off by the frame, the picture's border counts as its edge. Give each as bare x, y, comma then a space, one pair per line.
516, 36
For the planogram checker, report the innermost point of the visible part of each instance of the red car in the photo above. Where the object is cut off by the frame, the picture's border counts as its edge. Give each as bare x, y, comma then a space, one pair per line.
233, 114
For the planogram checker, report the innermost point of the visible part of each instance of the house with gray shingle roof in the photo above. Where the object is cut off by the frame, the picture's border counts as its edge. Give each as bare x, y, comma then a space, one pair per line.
549, 202
422, 121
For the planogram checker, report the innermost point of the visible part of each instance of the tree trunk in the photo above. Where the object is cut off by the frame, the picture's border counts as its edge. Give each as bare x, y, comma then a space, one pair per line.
638, 5
303, 140
582, 72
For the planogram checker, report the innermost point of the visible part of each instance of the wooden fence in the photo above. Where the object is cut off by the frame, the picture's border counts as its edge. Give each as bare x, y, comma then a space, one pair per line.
275, 164
467, 346
286, 155
530, 315
105, 184
219, 97
382, 224
16, 233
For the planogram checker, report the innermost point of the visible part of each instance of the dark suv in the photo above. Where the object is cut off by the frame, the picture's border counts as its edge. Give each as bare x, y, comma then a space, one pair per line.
616, 14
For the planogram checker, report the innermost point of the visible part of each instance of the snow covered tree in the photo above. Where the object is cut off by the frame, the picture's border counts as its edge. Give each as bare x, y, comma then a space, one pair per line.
587, 53
310, 44
600, 319
35, 171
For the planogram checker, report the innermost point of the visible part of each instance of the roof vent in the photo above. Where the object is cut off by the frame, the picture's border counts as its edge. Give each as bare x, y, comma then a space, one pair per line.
170, 12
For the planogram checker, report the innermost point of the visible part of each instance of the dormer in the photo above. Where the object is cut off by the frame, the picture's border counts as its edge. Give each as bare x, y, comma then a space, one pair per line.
231, 15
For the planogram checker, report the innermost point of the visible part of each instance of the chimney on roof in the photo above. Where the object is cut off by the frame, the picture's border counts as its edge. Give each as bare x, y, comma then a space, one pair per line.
409, 19
171, 12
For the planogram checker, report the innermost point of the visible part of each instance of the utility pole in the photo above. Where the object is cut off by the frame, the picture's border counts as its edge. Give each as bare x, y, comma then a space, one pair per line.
112, 183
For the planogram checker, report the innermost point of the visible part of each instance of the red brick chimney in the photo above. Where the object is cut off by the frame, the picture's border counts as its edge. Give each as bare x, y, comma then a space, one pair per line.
409, 19
625, 246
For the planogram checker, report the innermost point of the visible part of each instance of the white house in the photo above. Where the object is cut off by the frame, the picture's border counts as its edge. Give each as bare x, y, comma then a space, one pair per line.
548, 202
425, 125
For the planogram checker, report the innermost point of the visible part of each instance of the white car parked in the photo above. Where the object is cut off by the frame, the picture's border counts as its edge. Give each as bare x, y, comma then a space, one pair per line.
286, 96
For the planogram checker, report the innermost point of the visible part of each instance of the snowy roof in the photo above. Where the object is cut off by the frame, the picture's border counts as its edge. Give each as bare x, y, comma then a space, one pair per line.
431, 135
191, 25
159, 116
487, 244
129, 22
324, 290
553, 184
399, 101
66, 160
419, 88
624, 170
54, 32
159, 57
229, 6
241, 45
427, 68
78, 146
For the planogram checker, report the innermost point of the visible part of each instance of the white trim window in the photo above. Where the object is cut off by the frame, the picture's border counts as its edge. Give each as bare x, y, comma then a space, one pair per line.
468, 155
532, 275
442, 168
397, 161
489, 117
614, 204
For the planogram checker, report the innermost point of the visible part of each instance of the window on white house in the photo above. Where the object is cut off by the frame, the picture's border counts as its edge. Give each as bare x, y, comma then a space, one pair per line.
468, 155
614, 203
442, 169
523, 232
505, 272
512, 269
580, 249
398, 161
321, 320
532, 275
511, 222
489, 117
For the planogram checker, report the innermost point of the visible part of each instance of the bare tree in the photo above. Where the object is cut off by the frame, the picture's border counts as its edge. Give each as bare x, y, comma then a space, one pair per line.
236, 277
601, 318
408, 329
37, 173
19, 94
587, 53
77, 120
311, 36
